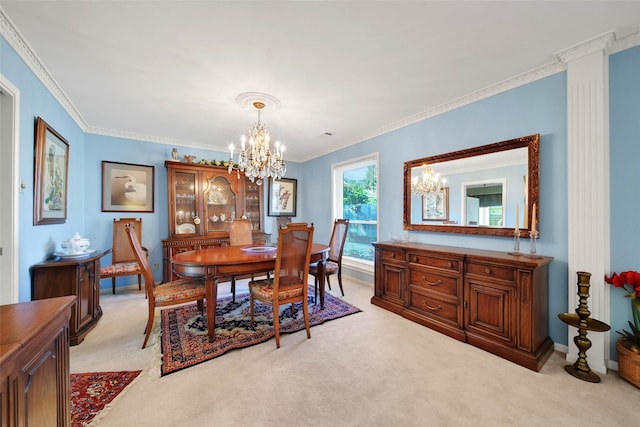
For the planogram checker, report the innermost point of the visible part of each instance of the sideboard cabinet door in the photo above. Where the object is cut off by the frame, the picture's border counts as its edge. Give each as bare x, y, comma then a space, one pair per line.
390, 272
491, 310
79, 277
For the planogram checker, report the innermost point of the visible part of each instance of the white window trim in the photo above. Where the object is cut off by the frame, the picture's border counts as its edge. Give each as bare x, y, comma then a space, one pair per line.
336, 190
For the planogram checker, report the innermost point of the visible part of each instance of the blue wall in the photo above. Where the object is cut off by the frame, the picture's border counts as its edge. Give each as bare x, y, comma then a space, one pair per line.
35, 243
624, 96
501, 117
538, 107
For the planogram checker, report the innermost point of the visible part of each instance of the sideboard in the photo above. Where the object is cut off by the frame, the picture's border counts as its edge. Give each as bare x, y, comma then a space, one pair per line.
78, 276
492, 300
34, 362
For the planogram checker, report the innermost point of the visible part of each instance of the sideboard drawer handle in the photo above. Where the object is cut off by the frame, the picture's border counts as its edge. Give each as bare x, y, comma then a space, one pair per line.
426, 304
393, 254
487, 270
436, 283
449, 264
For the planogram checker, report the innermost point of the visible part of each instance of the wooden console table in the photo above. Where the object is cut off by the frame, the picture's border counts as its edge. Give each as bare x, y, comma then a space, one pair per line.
492, 300
34, 362
79, 277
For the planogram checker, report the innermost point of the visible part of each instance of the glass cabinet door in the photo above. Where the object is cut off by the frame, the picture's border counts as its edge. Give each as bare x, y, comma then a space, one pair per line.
252, 203
220, 200
186, 207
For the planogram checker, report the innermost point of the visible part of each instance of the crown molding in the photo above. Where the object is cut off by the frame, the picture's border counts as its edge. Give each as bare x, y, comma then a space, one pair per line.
154, 139
487, 92
602, 42
627, 42
22, 48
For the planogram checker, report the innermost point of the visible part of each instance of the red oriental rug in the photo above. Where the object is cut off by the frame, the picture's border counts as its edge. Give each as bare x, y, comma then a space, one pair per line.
92, 391
185, 342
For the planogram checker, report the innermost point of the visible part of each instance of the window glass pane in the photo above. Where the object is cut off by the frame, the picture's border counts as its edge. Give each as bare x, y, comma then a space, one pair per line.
359, 239
355, 198
359, 193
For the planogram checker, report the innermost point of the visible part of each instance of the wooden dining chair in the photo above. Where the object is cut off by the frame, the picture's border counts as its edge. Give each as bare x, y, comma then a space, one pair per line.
289, 282
168, 293
333, 265
123, 260
240, 234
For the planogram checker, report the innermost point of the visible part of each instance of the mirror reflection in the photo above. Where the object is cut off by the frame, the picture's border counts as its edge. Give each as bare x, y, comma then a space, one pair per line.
483, 190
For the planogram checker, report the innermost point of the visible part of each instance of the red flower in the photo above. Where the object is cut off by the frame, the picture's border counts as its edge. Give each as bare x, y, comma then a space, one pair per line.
630, 277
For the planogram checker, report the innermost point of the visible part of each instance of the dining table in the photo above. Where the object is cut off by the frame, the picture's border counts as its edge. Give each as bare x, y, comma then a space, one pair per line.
218, 262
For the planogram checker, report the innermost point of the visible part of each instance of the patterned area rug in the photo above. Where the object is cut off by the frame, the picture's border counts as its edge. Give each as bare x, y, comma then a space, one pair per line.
185, 342
91, 392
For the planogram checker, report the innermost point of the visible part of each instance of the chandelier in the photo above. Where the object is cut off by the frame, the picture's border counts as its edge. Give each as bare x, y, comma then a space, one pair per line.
428, 183
256, 159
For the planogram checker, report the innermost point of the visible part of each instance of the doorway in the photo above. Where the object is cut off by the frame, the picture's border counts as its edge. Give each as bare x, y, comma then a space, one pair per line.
484, 202
9, 187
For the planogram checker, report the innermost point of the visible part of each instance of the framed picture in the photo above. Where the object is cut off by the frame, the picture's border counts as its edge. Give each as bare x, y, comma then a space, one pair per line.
282, 197
435, 206
50, 176
127, 187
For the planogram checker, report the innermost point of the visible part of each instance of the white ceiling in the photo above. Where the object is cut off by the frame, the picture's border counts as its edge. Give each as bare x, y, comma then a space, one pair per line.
170, 71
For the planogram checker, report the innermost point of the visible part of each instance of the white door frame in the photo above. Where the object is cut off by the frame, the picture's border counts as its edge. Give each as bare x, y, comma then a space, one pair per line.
9, 189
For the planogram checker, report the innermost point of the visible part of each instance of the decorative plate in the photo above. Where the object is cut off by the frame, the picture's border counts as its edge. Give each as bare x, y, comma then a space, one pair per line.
186, 228
260, 249
65, 255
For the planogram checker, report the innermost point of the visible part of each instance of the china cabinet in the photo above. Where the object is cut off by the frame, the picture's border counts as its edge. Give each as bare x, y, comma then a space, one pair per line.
492, 300
203, 200
74, 276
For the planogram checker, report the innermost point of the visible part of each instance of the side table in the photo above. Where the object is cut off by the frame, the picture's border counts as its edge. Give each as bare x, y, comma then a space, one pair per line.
77, 276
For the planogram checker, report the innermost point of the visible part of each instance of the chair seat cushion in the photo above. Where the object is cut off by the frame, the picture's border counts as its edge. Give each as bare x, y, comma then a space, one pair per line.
192, 288
263, 289
121, 269
330, 267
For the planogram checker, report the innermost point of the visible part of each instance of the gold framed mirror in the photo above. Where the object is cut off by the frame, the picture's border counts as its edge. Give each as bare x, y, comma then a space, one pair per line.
487, 190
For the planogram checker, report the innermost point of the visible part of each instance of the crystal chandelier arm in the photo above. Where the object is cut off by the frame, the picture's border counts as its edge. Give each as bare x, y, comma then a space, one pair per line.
256, 158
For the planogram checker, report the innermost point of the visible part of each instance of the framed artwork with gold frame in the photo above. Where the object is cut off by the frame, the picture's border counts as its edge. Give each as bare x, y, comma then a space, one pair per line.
50, 176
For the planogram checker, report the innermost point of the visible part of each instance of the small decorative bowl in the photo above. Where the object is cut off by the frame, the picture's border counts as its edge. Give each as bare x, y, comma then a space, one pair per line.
399, 238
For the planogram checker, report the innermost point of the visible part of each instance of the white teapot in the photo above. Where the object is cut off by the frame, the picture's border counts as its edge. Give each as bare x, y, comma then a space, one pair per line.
75, 245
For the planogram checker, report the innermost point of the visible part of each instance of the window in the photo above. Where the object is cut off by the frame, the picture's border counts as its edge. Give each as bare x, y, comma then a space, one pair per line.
355, 197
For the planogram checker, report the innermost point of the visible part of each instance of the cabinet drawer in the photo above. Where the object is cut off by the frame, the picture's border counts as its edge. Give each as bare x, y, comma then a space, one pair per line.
491, 271
434, 307
389, 254
433, 282
435, 262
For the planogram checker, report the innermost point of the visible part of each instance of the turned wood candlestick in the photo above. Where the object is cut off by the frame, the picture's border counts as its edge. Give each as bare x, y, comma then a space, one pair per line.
581, 320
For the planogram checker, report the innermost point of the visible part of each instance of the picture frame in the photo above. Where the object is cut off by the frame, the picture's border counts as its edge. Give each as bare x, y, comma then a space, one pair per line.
283, 197
127, 187
51, 175
435, 206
